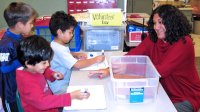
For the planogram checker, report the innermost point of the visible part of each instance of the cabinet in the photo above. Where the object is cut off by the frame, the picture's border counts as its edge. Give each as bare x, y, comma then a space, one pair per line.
139, 6
188, 13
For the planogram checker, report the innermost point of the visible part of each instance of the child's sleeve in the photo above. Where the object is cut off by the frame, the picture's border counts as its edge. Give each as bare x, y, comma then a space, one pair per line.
11, 63
38, 97
66, 59
13, 66
49, 74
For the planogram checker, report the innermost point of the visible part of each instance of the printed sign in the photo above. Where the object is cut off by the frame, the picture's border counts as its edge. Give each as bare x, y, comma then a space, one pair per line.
136, 95
106, 19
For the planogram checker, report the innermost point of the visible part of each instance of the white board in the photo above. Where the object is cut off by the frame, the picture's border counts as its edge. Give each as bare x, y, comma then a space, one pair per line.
95, 101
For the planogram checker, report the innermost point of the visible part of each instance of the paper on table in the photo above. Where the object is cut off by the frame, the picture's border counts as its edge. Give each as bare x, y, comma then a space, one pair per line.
95, 101
96, 66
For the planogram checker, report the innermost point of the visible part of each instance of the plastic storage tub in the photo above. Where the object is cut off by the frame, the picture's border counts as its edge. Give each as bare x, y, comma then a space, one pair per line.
42, 29
108, 38
44, 32
134, 33
137, 82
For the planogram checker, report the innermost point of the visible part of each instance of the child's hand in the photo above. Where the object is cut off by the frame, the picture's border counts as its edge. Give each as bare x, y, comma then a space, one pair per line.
100, 73
99, 58
82, 56
79, 95
58, 75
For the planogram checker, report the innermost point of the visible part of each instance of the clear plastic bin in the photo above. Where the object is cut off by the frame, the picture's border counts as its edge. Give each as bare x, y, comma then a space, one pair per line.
74, 44
44, 32
137, 72
110, 38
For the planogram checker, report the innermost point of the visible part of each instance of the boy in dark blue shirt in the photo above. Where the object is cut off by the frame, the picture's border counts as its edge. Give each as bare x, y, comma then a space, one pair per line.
19, 17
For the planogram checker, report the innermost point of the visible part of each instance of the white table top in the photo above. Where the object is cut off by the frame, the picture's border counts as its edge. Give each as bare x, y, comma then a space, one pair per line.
161, 104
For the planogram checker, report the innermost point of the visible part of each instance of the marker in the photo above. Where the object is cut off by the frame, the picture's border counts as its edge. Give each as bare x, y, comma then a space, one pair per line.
102, 52
91, 55
57, 76
84, 90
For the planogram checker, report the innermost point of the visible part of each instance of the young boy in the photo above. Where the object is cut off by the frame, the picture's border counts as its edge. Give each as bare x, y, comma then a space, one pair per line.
62, 26
19, 17
35, 53
1, 106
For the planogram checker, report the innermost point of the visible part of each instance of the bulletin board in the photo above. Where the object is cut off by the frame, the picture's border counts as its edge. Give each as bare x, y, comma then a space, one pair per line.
78, 6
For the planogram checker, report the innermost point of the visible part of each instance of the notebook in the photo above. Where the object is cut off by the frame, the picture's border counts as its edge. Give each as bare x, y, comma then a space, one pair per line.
95, 101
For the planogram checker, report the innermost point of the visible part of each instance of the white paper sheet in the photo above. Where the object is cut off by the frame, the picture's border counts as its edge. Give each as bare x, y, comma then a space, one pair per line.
95, 101
96, 66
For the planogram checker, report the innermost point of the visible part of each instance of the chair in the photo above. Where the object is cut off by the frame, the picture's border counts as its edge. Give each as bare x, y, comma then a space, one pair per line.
19, 104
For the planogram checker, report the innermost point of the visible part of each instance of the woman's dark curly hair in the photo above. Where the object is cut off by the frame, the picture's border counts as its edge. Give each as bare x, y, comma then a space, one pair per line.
176, 24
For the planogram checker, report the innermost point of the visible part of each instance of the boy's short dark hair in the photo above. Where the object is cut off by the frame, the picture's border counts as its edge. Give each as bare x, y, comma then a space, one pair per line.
33, 50
18, 12
61, 20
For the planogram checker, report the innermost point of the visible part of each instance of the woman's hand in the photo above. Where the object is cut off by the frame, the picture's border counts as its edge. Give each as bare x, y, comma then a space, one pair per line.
101, 73
119, 68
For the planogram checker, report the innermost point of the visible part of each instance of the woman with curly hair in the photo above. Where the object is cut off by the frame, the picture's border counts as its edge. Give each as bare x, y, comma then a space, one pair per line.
170, 48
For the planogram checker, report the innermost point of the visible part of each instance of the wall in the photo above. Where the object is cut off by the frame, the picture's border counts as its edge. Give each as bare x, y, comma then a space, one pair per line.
43, 7
137, 6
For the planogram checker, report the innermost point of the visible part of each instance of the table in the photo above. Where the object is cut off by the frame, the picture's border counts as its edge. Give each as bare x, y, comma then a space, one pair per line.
161, 104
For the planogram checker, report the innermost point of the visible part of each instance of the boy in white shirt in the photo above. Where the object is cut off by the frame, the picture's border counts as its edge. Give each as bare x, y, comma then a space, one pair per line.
62, 27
